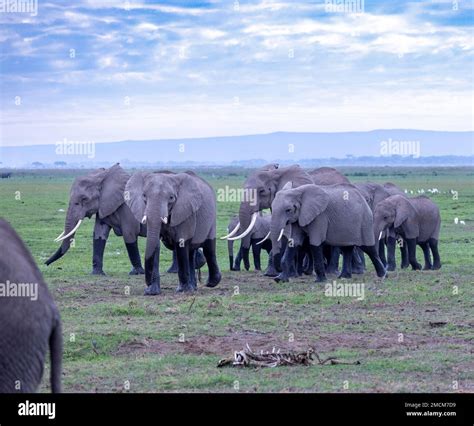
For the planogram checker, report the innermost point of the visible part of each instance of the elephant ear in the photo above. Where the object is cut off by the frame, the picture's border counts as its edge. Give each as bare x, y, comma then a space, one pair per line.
188, 201
406, 216
133, 195
112, 188
314, 201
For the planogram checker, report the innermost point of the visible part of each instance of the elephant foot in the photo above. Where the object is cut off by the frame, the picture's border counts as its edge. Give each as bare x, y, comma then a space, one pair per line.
332, 271
281, 278
416, 266
436, 266
172, 269
391, 267
427, 267
345, 275
185, 288
404, 265
235, 269
320, 279
152, 290
271, 272
216, 279
97, 271
137, 271
358, 271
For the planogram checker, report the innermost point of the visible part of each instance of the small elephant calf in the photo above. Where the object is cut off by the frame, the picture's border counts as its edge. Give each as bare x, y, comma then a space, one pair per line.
29, 319
417, 220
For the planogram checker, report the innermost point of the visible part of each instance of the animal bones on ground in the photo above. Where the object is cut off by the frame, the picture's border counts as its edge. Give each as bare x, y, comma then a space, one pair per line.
248, 358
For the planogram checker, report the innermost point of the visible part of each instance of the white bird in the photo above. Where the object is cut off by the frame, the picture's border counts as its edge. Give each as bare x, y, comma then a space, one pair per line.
456, 220
462, 222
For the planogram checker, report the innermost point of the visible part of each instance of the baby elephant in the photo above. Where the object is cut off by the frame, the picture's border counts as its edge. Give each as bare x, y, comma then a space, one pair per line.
29, 319
417, 220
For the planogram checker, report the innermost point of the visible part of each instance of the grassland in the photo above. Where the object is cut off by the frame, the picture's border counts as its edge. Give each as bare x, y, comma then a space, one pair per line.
117, 340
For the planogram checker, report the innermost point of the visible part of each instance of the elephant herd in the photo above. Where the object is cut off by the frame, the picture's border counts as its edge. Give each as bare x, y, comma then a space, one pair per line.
315, 217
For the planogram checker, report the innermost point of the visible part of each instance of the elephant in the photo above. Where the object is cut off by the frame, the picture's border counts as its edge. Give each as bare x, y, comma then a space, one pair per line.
334, 214
258, 241
261, 188
29, 320
417, 220
7, 175
101, 193
327, 176
375, 193
181, 209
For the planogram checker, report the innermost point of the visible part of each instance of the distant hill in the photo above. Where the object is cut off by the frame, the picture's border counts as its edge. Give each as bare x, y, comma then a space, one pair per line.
358, 148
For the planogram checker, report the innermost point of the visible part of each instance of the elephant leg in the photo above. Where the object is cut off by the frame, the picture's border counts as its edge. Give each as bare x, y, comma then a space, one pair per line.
358, 261
199, 259
404, 255
426, 254
271, 270
411, 243
318, 262
192, 270
382, 251
287, 260
238, 260
346, 262
98, 248
152, 273
391, 262
134, 256
309, 263
173, 269
256, 250
301, 261
333, 263
434, 249
372, 252
245, 257
183, 255
209, 248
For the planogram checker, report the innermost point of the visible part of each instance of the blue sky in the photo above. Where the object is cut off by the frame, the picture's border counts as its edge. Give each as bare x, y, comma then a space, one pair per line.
150, 70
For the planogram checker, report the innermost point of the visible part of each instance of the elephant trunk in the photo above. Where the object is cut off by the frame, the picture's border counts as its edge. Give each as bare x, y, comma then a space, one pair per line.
277, 225
71, 222
155, 215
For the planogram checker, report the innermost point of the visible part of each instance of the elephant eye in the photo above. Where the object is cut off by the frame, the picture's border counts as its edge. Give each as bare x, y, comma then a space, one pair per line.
171, 197
289, 210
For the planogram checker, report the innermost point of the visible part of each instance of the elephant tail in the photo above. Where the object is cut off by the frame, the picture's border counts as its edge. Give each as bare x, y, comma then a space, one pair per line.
56, 351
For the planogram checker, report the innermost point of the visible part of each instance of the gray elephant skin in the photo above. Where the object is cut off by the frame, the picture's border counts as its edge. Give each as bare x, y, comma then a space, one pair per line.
258, 241
28, 325
179, 209
335, 214
417, 220
101, 193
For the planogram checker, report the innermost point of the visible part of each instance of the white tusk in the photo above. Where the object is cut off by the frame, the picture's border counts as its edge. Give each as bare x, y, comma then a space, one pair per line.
380, 236
281, 234
164, 220
248, 230
70, 233
59, 236
234, 231
144, 219
266, 238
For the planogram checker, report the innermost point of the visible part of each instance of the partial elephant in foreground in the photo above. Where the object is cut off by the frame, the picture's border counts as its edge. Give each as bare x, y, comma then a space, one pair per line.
180, 209
29, 320
417, 220
101, 193
336, 214
258, 240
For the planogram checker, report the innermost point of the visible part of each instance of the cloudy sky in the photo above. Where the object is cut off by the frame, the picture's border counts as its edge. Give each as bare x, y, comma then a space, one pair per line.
115, 70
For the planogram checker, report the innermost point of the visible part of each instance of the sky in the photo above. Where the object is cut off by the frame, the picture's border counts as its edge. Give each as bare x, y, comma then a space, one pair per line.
96, 70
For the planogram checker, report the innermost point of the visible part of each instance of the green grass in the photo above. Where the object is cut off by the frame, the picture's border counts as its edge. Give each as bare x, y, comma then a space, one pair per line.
119, 342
